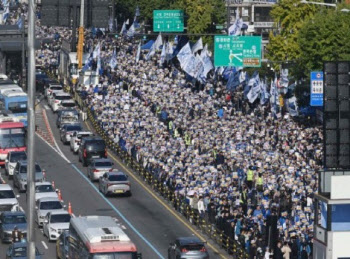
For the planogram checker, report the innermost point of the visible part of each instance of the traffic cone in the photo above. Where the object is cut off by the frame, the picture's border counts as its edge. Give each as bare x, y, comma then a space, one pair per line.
70, 208
53, 184
59, 195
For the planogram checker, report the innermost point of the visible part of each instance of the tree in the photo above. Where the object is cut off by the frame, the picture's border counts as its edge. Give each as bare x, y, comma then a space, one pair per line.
289, 16
325, 38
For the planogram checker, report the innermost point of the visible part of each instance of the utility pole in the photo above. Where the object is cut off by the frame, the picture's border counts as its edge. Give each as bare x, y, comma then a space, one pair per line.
81, 36
31, 131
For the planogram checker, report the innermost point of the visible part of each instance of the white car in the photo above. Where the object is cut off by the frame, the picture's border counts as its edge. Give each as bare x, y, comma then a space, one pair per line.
53, 88
57, 98
8, 199
44, 206
55, 223
75, 139
44, 190
11, 160
68, 104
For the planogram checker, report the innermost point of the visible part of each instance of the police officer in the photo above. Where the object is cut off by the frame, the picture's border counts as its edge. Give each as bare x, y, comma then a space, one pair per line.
259, 183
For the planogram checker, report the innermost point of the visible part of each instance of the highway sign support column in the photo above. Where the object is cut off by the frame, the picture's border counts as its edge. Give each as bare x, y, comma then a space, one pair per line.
31, 131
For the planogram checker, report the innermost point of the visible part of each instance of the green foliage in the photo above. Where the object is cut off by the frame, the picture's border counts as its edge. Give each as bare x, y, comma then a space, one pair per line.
326, 38
289, 16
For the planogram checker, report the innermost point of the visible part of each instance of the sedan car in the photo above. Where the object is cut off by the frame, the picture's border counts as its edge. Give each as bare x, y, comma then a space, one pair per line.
8, 199
71, 113
10, 220
57, 98
75, 139
98, 167
20, 175
187, 248
44, 190
62, 245
44, 206
18, 250
53, 88
12, 158
114, 182
67, 131
55, 223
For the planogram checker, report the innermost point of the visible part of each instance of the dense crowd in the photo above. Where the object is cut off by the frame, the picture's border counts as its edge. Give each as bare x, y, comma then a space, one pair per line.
235, 163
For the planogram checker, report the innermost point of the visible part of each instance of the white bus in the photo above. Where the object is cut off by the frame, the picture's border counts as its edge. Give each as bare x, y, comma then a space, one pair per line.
99, 237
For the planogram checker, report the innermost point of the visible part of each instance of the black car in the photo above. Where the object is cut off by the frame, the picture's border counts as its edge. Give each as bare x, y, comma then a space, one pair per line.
90, 148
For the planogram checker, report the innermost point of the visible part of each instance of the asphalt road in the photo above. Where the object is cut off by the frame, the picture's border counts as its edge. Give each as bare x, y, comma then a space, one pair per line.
142, 216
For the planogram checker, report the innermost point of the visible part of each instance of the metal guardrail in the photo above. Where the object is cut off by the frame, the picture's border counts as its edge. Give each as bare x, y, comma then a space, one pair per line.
231, 246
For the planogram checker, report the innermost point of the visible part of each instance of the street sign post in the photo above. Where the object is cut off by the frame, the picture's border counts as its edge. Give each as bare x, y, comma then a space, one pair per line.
168, 21
316, 88
238, 51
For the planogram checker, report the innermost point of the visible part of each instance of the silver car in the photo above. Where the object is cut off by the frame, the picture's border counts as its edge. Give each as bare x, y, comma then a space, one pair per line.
44, 206
68, 130
187, 248
75, 139
44, 189
20, 175
98, 167
114, 182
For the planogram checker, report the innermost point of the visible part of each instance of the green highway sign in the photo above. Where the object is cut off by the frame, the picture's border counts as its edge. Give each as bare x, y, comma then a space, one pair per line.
168, 21
238, 51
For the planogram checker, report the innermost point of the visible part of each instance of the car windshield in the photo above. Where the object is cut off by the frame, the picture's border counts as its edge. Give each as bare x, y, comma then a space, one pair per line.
115, 178
18, 156
117, 255
18, 107
60, 218
44, 188
7, 194
14, 219
68, 105
73, 127
63, 97
83, 136
50, 205
56, 88
12, 138
103, 164
24, 169
22, 252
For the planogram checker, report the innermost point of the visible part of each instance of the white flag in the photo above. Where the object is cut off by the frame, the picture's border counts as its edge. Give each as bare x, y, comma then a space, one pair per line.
235, 28
163, 54
138, 53
197, 46
158, 42
123, 29
131, 30
169, 51
97, 51
184, 54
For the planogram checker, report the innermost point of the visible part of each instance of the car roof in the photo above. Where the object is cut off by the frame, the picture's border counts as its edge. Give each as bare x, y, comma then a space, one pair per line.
58, 212
101, 160
44, 199
54, 84
68, 101
189, 240
5, 187
42, 183
84, 132
13, 213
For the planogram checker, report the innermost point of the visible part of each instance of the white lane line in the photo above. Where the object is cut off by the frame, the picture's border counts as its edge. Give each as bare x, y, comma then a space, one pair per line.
59, 153
46, 107
44, 244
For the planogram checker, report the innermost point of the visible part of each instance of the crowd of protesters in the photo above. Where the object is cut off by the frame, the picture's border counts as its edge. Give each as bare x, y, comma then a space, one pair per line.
234, 162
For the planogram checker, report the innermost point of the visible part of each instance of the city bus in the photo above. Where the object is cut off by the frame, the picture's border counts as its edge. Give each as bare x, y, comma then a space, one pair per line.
99, 237
16, 102
12, 136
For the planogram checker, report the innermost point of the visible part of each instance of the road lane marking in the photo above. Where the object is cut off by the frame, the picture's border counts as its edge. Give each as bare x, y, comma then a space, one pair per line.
46, 107
161, 201
59, 153
119, 213
44, 244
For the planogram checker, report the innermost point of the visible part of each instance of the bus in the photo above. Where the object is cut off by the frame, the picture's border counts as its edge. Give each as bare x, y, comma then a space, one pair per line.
16, 102
12, 136
99, 237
